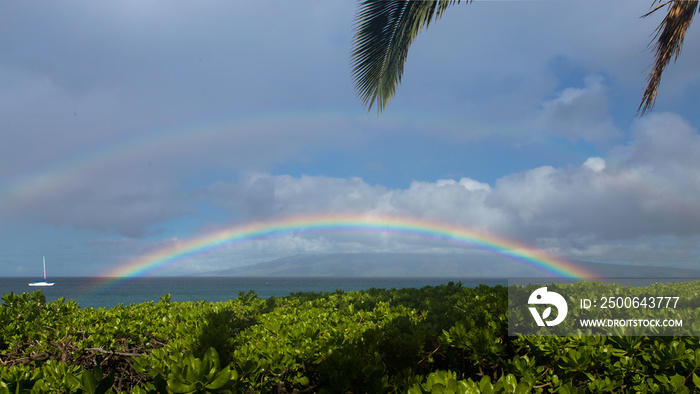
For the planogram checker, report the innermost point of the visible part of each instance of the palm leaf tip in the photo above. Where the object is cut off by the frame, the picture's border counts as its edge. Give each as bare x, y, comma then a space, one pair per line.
669, 38
384, 30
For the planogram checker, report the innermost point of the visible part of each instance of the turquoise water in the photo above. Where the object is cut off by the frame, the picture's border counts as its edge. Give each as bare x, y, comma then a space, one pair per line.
89, 292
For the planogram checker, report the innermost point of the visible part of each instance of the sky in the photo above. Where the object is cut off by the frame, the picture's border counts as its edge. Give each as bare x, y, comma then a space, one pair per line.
132, 126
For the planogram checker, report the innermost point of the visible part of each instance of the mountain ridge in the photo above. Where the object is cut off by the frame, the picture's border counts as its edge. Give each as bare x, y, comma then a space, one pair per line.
431, 265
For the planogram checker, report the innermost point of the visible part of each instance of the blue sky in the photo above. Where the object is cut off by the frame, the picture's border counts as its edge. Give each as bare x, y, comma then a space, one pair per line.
130, 126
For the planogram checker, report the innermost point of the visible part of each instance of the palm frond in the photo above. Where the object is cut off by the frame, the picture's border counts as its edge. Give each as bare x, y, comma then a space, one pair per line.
669, 42
385, 30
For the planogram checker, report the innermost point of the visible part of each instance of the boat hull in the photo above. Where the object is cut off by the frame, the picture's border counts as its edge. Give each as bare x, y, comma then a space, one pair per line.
41, 284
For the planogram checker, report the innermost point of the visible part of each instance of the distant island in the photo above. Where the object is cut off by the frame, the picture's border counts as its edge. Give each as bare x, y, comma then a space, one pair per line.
430, 265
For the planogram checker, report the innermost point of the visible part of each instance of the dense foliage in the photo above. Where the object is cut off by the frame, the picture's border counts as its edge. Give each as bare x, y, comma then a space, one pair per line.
440, 339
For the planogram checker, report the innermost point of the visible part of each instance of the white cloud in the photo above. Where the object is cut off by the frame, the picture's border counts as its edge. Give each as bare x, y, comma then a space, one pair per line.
605, 204
264, 195
596, 164
662, 142
580, 113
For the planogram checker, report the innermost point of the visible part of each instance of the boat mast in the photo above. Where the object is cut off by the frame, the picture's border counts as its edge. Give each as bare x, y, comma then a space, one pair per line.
44, 258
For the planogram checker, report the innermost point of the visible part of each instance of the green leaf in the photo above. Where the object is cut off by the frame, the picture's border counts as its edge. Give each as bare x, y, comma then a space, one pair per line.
385, 30
485, 385
221, 379
415, 389
179, 387
523, 388
71, 380
509, 383
88, 380
105, 384
210, 363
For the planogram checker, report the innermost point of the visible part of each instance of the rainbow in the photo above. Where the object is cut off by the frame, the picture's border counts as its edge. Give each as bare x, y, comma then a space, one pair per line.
364, 223
25, 182
22, 183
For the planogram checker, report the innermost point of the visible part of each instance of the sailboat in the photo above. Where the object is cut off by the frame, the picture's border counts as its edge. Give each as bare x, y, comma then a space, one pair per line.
42, 282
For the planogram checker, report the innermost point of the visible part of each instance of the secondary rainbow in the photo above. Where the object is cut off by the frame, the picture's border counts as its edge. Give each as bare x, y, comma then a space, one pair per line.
24, 181
333, 223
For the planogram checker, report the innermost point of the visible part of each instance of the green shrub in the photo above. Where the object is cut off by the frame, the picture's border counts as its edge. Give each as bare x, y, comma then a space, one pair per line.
440, 339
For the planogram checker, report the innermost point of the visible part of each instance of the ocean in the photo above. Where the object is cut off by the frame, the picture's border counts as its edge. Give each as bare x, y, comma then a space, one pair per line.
101, 293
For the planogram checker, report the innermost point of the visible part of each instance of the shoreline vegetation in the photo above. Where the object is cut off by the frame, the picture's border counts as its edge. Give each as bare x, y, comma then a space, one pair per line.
436, 339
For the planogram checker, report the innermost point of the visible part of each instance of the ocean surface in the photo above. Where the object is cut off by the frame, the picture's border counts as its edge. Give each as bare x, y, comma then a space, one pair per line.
107, 293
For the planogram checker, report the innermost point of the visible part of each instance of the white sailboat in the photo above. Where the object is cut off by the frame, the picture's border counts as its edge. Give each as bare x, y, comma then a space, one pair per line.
42, 282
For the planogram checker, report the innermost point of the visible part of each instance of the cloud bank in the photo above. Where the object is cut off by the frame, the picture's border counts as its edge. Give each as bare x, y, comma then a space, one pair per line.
640, 194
